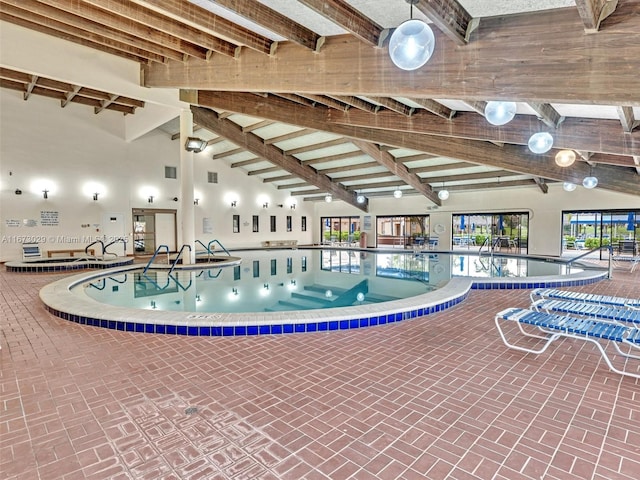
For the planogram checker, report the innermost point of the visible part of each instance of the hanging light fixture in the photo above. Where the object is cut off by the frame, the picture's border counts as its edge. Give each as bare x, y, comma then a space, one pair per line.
360, 198
540, 142
565, 158
328, 198
411, 44
499, 113
397, 193
590, 182
568, 186
444, 193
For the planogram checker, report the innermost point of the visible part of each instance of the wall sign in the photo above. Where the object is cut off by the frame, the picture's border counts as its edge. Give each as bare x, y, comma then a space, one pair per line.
49, 218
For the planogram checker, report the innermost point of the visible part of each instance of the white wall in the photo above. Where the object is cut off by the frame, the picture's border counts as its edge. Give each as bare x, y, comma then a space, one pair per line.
71, 146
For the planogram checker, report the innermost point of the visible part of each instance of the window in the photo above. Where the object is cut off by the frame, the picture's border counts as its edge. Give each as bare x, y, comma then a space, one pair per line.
403, 231
273, 223
212, 177
288, 223
304, 223
274, 268
340, 229
255, 223
236, 224
506, 232
256, 268
170, 172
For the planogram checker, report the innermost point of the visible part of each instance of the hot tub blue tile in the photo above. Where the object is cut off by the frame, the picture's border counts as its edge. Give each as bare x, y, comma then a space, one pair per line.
333, 325
252, 330
276, 329
170, 329
240, 330
265, 329
287, 328
299, 328
227, 331
192, 331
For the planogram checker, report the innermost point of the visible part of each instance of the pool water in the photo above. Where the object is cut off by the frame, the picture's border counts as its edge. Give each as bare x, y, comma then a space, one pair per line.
284, 280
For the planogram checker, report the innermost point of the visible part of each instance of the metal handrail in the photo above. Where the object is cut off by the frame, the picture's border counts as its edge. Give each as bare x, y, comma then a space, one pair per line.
221, 246
117, 240
610, 260
209, 252
86, 249
155, 254
175, 261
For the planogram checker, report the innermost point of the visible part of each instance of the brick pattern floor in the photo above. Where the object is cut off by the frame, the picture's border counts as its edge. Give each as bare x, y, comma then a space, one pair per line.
431, 398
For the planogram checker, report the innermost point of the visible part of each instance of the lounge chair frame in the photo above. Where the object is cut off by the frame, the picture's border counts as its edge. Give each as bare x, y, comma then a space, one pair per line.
554, 326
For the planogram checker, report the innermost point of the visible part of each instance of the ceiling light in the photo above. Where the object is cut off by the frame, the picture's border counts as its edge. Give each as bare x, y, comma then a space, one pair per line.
397, 193
360, 198
328, 198
565, 158
443, 194
540, 142
590, 182
195, 144
499, 113
411, 44
568, 186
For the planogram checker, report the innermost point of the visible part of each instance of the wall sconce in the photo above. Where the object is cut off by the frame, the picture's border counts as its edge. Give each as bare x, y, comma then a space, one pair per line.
95, 196
234, 203
150, 199
196, 201
265, 286
18, 191
195, 144
175, 199
293, 206
265, 205
45, 193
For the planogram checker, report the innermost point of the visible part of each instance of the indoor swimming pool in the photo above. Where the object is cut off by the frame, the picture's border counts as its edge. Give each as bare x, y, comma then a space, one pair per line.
288, 291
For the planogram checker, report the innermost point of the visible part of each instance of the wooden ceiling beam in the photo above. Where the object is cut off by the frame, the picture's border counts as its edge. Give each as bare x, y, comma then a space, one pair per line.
434, 107
75, 35
30, 86
273, 154
396, 168
438, 168
128, 10
394, 105
317, 146
593, 12
542, 185
77, 14
352, 20
364, 176
547, 114
595, 135
288, 136
228, 153
280, 178
487, 185
332, 158
627, 119
289, 186
350, 168
262, 171
327, 101
514, 158
346, 67
245, 163
296, 98
274, 21
450, 17
203, 19
468, 176
357, 103
257, 125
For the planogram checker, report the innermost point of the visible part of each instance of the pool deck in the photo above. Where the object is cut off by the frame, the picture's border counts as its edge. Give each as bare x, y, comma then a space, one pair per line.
437, 397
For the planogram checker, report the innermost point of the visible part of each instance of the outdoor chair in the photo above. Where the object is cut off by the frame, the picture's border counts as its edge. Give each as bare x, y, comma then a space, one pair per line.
594, 310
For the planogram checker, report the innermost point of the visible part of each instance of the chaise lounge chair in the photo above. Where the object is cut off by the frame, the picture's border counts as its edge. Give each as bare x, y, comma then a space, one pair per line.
594, 310
550, 327
584, 297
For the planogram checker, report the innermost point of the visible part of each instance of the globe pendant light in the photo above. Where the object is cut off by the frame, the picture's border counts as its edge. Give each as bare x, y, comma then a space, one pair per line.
590, 182
568, 186
397, 193
328, 198
360, 198
444, 193
565, 158
411, 44
540, 142
499, 113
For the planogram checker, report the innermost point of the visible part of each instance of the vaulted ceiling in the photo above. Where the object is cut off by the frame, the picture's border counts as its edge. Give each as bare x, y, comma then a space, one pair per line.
302, 93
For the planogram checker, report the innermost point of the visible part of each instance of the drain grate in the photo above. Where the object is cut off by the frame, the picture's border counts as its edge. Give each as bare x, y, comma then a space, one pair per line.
191, 410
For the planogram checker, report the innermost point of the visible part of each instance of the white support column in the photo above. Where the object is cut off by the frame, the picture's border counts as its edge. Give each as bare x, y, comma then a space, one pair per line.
187, 210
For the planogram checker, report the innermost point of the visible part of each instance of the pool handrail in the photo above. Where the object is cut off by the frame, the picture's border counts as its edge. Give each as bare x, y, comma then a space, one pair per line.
117, 240
215, 240
155, 254
86, 249
610, 259
175, 260
209, 252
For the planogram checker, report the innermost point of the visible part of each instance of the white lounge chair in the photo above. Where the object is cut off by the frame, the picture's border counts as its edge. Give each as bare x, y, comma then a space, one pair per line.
550, 327
584, 297
31, 251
